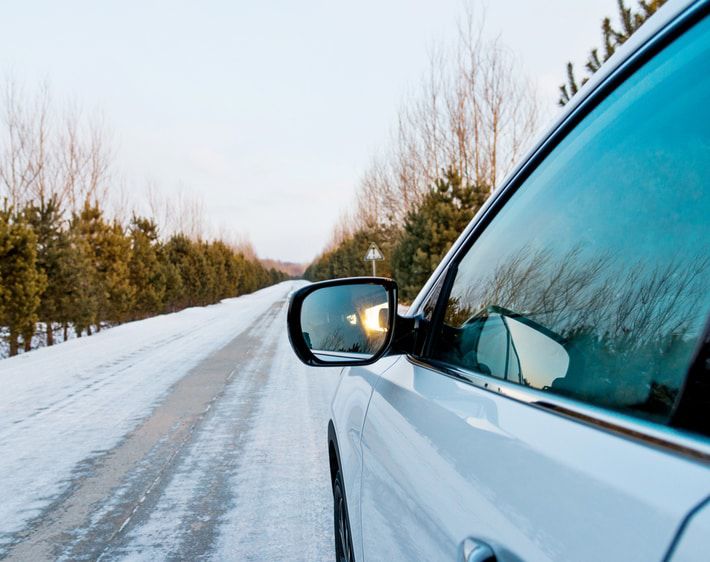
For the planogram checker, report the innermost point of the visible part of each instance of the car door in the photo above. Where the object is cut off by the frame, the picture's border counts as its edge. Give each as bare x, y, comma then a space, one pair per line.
554, 414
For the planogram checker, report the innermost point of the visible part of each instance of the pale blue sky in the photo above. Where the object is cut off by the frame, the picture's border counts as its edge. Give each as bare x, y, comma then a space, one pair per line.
269, 109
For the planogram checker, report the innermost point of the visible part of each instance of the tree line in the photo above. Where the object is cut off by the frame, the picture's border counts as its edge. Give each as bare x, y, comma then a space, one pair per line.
413, 248
454, 140
465, 126
69, 264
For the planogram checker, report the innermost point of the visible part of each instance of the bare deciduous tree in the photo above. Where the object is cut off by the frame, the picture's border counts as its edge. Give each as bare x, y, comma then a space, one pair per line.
26, 151
86, 158
43, 155
474, 112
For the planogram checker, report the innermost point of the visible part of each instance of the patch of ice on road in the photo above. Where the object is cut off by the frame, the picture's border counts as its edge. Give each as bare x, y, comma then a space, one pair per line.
62, 406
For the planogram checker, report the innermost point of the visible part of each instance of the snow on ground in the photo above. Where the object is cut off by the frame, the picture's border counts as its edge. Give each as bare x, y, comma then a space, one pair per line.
291, 513
40, 338
60, 407
254, 482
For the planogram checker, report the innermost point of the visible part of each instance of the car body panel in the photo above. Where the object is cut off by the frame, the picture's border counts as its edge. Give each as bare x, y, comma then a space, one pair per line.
444, 460
348, 410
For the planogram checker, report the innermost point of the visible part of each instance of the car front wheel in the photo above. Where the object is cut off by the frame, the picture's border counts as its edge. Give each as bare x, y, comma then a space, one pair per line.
343, 540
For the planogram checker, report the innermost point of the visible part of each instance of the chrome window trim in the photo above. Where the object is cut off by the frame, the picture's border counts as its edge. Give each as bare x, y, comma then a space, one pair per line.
662, 437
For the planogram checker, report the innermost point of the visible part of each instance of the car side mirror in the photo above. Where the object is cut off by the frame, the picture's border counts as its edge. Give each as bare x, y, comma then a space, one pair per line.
344, 322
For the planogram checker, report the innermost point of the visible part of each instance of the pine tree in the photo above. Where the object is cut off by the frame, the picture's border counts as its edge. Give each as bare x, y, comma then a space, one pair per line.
147, 274
114, 259
110, 251
80, 299
184, 255
209, 267
54, 260
226, 276
431, 229
246, 282
174, 289
612, 38
22, 283
5, 249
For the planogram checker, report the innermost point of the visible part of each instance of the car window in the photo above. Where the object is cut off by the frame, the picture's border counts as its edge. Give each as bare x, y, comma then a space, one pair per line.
429, 305
592, 281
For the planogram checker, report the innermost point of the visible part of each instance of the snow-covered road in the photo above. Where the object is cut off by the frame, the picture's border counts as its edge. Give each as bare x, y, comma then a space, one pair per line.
194, 435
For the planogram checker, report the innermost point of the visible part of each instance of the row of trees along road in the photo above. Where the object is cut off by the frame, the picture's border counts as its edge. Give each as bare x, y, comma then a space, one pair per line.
462, 130
69, 264
454, 140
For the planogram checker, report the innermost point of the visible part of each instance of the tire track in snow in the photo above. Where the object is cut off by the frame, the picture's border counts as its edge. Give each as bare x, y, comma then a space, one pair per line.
98, 377
102, 504
179, 520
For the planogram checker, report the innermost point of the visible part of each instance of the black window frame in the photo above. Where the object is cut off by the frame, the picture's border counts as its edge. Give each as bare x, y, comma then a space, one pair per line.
695, 391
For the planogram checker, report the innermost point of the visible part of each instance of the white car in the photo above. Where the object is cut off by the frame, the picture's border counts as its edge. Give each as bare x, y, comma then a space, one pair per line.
547, 397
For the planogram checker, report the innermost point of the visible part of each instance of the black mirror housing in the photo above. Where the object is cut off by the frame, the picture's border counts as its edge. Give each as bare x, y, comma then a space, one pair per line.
343, 322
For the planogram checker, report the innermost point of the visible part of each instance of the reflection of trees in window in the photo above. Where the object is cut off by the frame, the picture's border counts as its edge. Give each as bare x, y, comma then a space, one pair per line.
533, 284
629, 328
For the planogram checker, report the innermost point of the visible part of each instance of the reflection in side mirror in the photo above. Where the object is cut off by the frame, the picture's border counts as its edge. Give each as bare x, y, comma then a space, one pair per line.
347, 321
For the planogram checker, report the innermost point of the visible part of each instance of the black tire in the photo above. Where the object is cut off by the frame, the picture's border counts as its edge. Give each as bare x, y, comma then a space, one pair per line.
343, 538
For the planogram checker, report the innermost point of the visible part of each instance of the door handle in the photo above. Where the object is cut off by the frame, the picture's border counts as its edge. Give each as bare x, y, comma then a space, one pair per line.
473, 550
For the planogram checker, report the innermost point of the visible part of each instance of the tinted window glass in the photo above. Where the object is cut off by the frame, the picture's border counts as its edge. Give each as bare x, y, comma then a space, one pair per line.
430, 304
592, 281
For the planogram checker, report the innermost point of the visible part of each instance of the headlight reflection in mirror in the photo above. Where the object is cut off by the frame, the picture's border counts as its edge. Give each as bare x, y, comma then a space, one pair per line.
350, 321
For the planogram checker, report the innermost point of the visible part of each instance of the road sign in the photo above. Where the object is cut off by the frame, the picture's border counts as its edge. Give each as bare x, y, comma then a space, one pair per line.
374, 255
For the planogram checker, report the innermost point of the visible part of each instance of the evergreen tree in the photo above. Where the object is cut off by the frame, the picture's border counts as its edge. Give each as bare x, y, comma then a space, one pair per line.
174, 289
80, 299
187, 259
209, 267
246, 279
110, 251
613, 38
147, 273
22, 283
234, 265
54, 260
431, 229
88, 271
225, 274
114, 260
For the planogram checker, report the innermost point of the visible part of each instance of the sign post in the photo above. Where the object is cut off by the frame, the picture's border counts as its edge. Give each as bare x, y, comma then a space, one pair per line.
374, 255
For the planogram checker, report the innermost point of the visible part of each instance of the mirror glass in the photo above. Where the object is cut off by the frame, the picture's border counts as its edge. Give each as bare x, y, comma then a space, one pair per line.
346, 322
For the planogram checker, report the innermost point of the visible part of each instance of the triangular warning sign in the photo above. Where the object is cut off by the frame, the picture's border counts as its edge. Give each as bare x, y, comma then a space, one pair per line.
373, 253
